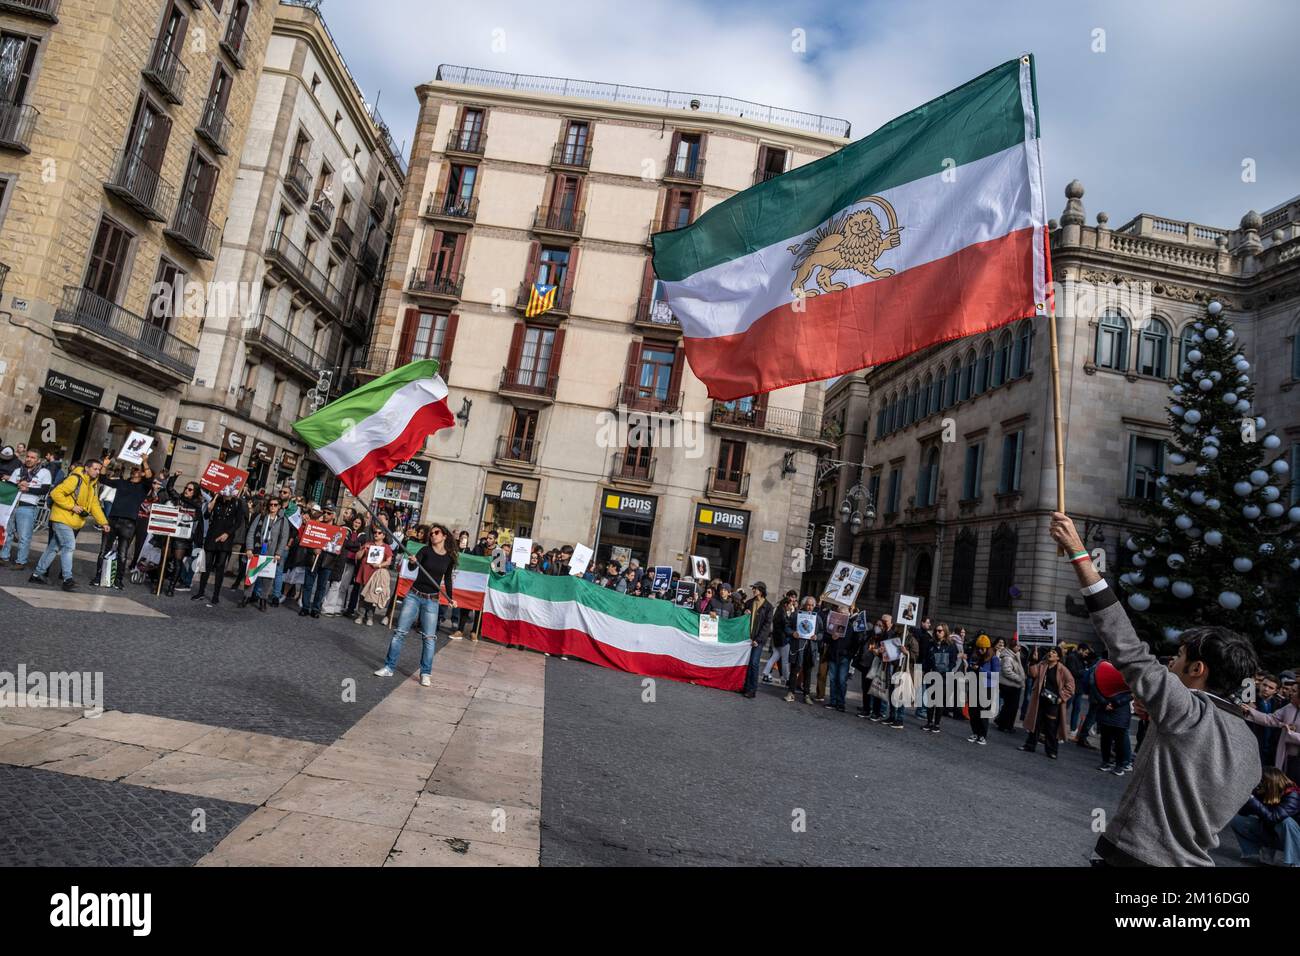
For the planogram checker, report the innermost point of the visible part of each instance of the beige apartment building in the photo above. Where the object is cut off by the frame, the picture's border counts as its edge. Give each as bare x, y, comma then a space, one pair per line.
121, 123
960, 462
519, 181
300, 263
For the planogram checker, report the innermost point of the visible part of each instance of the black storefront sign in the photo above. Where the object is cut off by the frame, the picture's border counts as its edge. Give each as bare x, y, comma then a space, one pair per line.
134, 411
74, 389
721, 519
234, 441
628, 506
512, 491
262, 451
288, 461
414, 468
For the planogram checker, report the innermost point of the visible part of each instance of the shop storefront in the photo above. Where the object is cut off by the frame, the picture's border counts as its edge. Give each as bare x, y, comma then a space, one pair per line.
65, 415
285, 469
626, 526
232, 447
720, 535
404, 486
509, 504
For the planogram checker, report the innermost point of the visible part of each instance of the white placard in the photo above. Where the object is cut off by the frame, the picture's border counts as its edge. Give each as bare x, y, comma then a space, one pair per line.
846, 581
708, 628
581, 559
806, 625
136, 448
700, 568
892, 649
909, 610
409, 571
521, 552
375, 554
1036, 627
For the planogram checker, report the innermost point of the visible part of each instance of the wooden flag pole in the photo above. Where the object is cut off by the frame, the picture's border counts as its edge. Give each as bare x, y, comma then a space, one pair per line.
162, 568
1056, 407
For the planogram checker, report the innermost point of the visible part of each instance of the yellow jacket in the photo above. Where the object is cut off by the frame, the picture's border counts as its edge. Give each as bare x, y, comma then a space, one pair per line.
67, 496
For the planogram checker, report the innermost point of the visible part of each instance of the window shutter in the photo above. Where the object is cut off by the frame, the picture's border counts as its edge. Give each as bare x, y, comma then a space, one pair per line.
762, 162
516, 346
534, 261
569, 274
675, 380
648, 279
459, 254
449, 340
435, 246
407, 342
632, 372
557, 350
672, 152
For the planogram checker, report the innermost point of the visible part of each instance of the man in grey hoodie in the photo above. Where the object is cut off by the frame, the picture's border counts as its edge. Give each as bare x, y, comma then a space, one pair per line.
1199, 762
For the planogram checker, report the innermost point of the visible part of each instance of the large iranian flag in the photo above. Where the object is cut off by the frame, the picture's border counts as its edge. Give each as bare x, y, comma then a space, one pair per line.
379, 425
930, 229
561, 614
8, 501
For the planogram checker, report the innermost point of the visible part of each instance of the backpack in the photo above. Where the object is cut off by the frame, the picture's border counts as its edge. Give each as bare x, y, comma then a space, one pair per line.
76, 494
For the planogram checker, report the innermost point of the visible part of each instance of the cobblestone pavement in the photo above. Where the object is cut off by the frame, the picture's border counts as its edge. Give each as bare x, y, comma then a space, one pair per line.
703, 777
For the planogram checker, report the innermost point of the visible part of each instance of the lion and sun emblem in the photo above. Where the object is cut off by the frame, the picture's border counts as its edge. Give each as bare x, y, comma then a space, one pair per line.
853, 239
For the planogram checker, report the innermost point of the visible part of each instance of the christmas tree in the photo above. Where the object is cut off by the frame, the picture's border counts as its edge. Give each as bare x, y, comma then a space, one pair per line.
1221, 548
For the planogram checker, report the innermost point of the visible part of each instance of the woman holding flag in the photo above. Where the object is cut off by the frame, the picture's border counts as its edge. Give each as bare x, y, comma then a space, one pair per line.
436, 562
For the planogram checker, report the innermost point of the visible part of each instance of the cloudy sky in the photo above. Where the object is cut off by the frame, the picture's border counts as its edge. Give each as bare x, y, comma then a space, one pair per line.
1153, 105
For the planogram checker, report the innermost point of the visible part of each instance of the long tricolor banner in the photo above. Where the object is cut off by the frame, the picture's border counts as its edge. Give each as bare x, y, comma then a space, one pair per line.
561, 614
930, 229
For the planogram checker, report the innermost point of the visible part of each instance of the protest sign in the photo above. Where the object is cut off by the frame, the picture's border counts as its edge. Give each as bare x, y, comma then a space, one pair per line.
375, 554
319, 535
581, 559
909, 610
1036, 627
663, 577
219, 476
136, 448
699, 567
169, 520
845, 582
684, 595
259, 566
806, 624
708, 628
521, 551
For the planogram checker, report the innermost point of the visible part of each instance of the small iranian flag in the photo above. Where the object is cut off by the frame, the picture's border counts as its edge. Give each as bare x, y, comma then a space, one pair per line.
379, 425
8, 497
932, 228
561, 614
293, 514
259, 566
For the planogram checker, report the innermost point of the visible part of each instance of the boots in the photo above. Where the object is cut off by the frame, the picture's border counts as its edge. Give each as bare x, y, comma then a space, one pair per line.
261, 604
243, 601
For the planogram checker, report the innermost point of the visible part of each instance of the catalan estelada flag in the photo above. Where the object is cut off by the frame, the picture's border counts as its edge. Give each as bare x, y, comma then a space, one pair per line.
932, 228
541, 298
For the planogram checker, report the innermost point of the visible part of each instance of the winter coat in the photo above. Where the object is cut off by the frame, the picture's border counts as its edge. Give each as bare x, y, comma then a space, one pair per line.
275, 534
227, 516
1120, 715
760, 620
379, 588
1064, 687
130, 496
366, 570
1013, 672
78, 490
1288, 744
941, 657
1287, 807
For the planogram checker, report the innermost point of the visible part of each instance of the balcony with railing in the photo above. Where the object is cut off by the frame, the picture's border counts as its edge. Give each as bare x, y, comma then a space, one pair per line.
685, 169
343, 234
47, 10
293, 262
234, 40
563, 300
297, 181
451, 207
265, 334
529, 383
4, 274
781, 422
369, 260
652, 313
517, 450
275, 418
727, 483
166, 71
762, 175
663, 225
559, 220
647, 398
244, 401
214, 128
321, 210
466, 140
193, 231
17, 121
635, 468
109, 335
571, 156
141, 186
435, 285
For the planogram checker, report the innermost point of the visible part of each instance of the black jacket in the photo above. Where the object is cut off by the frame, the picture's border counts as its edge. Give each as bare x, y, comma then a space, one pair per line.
130, 496
761, 625
227, 516
780, 627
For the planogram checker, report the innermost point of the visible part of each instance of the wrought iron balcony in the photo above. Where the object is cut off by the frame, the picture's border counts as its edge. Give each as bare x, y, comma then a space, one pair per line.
645, 398
466, 140
194, 231
369, 261
4, 274
266, 334
451, 206
517, 449
17, 120
47, 10
88, 323
687, 169
322, 210
437, 285
168, 74
663, 225
522, 381
343, 234
233, 41
381, 205
655, 313
783, 422
762, 175
559, 219
244, 401
571, 155
293, 262
297, 180
633, 467
214, 128
141, 186
728, 482
563, 299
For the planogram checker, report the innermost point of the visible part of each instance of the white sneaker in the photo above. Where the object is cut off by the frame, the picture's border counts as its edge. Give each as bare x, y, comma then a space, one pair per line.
972, 738
384, 672
424, 680
456, 635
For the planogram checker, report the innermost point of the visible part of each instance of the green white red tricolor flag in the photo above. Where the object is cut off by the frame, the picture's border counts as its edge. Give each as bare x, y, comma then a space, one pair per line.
379, 425
8, 501
932, 228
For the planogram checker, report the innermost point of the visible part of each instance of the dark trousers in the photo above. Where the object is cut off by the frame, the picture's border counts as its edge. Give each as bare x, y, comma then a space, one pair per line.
751, 672
1006, 718
178, 553
979, 724
839, 681
315, 584
934, 713
803, 666
1088, 721
216, 566
866, 692
141, 524
1115, 743
116, 538
1049, 720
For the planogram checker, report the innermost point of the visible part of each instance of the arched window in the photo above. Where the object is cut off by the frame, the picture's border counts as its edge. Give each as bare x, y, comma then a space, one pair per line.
983, 369
963, 568
1295, 358
865, 552
885, 570
1153, 349
927, 479
1002, 361
880, 419
1112, 342
911, 403
1024, 348
892, 416
967, 376
954, 374
927, 396
941, 390
1185, 344
1002, 568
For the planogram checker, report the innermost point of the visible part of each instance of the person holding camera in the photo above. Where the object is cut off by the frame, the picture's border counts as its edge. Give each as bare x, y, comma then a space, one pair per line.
1054, 686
